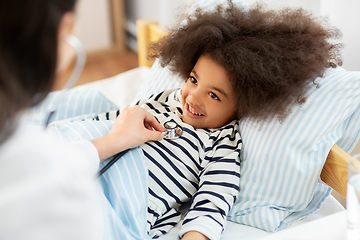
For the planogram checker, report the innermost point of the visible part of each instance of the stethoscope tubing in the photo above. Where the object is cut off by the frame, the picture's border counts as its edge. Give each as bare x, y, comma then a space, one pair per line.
112, 161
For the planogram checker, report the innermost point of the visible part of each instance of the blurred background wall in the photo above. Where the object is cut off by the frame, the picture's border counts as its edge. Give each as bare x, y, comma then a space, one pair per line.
95, 22
165, 12
342, 13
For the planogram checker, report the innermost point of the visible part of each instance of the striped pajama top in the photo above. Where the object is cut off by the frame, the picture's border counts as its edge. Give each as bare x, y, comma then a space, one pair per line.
201, 168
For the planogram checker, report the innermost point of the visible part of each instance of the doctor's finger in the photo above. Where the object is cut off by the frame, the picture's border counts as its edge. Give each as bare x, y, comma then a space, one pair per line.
148, 126
150, 120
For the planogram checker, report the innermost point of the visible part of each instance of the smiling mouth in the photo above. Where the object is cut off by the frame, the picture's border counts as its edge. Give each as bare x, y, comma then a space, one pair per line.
194, 111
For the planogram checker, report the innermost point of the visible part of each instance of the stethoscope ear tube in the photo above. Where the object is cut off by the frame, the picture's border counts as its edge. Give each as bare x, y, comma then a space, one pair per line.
75, 43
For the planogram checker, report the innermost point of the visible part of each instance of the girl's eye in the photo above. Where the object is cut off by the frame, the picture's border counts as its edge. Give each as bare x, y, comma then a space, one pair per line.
213, 95
193, 80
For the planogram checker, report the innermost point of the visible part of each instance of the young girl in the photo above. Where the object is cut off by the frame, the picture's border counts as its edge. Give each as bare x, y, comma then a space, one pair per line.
203, 165
237, 63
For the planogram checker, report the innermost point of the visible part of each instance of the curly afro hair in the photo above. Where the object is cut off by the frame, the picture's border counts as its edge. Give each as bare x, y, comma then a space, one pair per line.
271, 56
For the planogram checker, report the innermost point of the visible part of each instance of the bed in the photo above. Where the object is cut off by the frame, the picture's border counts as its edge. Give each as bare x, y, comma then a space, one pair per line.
121, 90
308, 153
334, 172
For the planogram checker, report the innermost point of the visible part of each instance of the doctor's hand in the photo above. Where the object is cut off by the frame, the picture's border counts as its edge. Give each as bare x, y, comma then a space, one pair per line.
133, 127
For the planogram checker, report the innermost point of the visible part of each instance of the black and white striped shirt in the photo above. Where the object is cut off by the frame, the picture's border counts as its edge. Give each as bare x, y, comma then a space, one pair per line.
201, 167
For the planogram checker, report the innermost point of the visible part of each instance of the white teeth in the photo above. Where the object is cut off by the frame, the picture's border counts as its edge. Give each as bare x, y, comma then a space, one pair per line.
192, 111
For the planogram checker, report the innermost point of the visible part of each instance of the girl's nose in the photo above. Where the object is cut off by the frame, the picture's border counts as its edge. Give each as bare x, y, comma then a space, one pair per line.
194, 97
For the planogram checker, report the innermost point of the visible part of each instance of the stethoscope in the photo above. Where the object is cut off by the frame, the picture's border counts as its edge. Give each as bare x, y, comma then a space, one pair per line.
76, 44
172, 131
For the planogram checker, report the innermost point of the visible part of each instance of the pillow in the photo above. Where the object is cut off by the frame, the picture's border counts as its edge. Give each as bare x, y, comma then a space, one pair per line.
74, 104
282, 161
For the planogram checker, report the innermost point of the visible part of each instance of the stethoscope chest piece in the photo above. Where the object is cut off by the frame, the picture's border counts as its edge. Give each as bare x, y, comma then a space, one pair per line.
172, 130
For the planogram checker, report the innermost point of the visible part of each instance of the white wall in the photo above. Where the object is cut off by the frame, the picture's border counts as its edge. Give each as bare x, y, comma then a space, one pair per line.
344, 14
170, 11
311, 5
165, 12
94, 24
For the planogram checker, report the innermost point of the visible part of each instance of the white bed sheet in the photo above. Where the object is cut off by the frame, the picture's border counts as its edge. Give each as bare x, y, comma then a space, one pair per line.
121, 90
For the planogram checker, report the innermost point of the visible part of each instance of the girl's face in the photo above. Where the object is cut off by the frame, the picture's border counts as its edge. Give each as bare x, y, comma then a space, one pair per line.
208, 99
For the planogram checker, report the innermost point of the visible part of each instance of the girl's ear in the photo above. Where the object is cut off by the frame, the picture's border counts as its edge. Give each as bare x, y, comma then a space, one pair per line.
65, 52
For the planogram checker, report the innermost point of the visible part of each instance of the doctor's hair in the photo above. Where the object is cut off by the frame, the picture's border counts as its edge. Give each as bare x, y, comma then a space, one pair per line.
271, 56
28, 54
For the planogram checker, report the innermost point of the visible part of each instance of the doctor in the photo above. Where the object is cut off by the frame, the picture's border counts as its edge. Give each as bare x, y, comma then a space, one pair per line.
47, 189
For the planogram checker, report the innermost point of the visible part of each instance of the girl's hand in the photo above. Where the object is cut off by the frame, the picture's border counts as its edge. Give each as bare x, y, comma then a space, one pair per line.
133, 127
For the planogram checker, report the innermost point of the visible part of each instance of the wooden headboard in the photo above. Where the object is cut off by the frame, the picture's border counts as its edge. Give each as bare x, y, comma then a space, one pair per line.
335, 171
147, 31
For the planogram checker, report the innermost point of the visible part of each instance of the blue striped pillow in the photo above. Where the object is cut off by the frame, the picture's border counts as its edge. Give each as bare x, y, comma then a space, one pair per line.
282, 161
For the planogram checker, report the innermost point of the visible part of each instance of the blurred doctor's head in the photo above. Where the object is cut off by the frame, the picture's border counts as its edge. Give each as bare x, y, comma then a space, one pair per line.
32, 48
